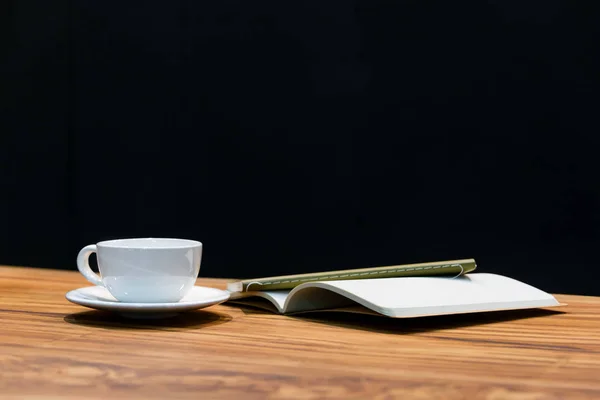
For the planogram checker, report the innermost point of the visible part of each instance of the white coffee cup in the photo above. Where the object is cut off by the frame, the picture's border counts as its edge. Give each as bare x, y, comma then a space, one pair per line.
146, 270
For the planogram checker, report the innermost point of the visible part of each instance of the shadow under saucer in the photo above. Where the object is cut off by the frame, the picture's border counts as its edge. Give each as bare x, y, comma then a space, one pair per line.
185, 320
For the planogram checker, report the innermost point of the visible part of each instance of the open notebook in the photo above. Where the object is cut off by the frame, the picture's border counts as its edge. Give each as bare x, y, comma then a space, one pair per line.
402, 297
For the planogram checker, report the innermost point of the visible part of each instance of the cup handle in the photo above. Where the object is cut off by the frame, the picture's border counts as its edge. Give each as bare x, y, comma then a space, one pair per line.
84, 266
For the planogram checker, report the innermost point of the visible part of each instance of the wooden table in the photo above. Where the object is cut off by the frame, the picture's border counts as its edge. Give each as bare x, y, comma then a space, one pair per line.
51, 348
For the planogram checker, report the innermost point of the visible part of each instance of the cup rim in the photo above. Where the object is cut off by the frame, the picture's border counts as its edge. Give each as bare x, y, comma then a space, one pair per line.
140, 243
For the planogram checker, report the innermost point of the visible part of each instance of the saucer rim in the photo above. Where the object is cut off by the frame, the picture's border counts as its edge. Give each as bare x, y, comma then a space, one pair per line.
75, 296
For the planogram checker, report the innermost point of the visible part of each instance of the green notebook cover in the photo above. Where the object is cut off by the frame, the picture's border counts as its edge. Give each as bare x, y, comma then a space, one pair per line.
454, 267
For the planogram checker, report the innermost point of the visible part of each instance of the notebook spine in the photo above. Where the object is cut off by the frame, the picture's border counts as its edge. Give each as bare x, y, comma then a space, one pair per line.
235, 287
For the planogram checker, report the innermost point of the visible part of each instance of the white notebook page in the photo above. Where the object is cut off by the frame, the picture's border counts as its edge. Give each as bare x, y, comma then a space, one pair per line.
412, 296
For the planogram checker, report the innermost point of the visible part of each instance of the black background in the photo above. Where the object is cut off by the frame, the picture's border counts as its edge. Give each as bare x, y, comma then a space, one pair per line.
300, 136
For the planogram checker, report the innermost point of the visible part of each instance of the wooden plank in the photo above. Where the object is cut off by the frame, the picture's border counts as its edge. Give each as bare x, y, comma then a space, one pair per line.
54, 349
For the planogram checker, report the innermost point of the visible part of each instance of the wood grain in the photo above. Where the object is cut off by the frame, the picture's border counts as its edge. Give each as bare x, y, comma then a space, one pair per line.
51, 348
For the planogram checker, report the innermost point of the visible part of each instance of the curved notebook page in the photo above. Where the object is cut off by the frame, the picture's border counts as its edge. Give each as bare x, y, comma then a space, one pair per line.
276, 299
309, 299
425, 296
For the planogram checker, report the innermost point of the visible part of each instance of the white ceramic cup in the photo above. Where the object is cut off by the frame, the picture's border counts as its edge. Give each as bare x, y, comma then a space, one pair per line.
146, 270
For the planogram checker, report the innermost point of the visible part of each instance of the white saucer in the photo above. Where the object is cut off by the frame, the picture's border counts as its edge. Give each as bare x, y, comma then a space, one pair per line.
100, 298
